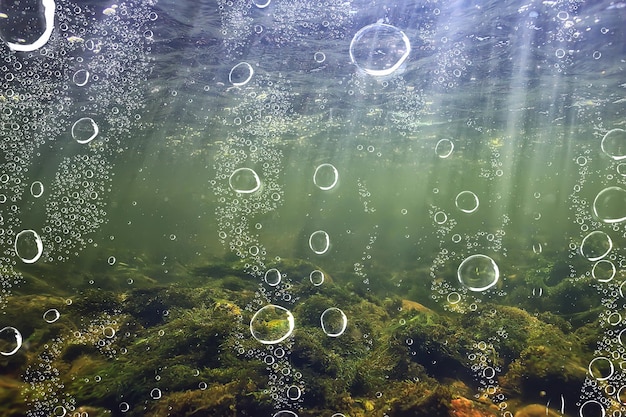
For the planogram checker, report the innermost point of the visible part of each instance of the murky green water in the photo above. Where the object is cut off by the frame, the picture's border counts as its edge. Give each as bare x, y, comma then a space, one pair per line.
312, 208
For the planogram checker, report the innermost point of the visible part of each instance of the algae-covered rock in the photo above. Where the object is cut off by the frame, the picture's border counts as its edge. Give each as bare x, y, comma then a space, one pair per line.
11, 401
231, 399
191, 344
416, 400
537, 410
437, 342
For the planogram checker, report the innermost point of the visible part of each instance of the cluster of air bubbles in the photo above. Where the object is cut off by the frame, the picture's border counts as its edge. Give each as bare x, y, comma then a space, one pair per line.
365, 196
280, 23
483, 359
369, 149
76, 206
69, 78
407, 107
443, 222
44, 389
560, 45
248, 167
582, 210
601, 221
261, 104
361, 267
243, 191
452, 63
493, 168
272, 326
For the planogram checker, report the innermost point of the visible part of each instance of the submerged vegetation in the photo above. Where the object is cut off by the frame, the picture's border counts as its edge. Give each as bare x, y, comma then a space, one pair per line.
186, 349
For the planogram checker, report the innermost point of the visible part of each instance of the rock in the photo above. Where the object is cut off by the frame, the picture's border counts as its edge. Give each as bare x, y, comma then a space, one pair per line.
537, 410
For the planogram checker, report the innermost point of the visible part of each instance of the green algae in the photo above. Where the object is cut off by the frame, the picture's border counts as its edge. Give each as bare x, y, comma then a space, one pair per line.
192, 344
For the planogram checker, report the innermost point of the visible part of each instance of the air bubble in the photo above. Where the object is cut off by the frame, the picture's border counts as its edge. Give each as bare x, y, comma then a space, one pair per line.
444, 148
596, 245
19, 34
603, 270
84, 130
81, 77
601, 368
478, 272
261, 4
155, 394
272, 324
325, 177
466, 201
379, 49
609, 206
13, 340
244, 181
28, 246
319, 242
334, 322
51, 315
614, 144
316, 277
36, 189
241, 74
272, 277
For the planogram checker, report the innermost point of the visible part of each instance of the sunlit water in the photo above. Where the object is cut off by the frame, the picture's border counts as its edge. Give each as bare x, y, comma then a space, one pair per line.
436, 151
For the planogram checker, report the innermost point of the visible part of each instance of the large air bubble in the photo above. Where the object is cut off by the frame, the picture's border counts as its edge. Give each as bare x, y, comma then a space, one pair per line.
244, 181
10, 340
334, 322
84, 130
444, 148
325, 177
592, 408
240, 74
478, 272
601, 368
272, 277
609, 206
319, 242
36, 189
596, 245
614, 144
379, 49
316, 277
26, 28
603, 270
81, 77
285, 413
466, 201
28, 246
272, 324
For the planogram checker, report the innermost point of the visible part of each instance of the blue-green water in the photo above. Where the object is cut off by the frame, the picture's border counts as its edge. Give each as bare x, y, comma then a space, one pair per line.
278, 166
